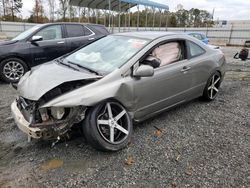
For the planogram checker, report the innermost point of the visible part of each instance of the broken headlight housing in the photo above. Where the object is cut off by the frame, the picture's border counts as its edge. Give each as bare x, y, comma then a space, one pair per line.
54, 112
57, 112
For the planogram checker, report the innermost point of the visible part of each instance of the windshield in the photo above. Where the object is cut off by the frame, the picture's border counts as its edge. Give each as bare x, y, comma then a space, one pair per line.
26, 33
108, 53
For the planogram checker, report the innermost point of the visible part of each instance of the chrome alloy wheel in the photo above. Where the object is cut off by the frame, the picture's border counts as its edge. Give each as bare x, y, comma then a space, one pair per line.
113, 123
214, 85
13, 70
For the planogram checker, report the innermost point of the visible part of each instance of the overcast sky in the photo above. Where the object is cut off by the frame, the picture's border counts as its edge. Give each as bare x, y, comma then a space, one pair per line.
224, 9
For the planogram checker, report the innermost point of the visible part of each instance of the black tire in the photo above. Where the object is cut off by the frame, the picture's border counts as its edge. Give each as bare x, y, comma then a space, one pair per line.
12, 76
213, 84
98, 135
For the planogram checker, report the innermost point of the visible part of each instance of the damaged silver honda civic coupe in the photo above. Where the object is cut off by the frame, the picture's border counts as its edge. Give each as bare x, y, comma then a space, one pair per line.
120, 79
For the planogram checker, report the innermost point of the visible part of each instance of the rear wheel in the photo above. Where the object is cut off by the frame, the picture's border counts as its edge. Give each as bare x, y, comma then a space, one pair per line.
108, 126
12, 69
212, 88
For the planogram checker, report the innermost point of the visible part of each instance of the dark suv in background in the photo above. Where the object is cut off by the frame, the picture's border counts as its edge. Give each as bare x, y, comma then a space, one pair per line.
43, 43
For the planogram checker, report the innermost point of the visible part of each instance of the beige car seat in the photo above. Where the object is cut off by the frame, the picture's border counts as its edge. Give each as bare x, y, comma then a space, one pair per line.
168, 53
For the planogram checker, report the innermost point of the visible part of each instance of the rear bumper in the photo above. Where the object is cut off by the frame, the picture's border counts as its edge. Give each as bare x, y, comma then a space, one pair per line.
22, 124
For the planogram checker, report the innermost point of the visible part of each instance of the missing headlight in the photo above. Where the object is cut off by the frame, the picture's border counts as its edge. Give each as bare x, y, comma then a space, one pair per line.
44, 114
57, 112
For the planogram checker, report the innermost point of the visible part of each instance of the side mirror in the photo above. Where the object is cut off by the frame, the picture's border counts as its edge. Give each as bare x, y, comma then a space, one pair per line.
144, 71
36, 38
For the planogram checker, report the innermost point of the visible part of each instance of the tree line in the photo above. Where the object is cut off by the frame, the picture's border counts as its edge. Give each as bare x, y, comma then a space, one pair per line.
58, 11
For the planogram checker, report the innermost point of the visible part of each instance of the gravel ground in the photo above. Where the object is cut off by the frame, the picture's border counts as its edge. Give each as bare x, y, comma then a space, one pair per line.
200, 145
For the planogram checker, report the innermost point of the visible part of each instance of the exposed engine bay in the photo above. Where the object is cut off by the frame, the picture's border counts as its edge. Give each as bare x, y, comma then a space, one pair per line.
53, 121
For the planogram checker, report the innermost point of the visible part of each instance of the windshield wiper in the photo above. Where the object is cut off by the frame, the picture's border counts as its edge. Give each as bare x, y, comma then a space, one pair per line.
89, 69
60, 60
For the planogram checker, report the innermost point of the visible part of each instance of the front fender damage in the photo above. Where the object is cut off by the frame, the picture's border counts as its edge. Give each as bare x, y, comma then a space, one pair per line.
93, 94
78, 99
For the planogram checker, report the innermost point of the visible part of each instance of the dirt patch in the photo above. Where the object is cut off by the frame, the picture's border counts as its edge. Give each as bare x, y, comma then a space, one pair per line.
51, 164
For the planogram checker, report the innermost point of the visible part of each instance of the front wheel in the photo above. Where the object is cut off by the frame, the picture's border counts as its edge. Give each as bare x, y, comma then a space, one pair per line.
212, 88
12, 69
108, 126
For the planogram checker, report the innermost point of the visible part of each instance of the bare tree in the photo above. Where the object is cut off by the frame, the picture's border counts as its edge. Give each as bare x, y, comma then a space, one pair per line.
2, 8
38, 11
11, 8
15, 7
63, 8
52, 4
82, 14
72, 12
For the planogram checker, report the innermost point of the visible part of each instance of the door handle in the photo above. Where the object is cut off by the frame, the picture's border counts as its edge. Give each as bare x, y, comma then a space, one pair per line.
91, 38
60, 42
185, 69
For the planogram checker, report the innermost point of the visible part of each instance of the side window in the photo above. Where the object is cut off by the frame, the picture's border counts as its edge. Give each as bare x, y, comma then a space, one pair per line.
51, 32
74, 30
194, 49
87, 32
101, 29
170, 52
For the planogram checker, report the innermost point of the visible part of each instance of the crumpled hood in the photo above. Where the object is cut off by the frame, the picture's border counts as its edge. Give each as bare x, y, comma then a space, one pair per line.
41, 79
3, 43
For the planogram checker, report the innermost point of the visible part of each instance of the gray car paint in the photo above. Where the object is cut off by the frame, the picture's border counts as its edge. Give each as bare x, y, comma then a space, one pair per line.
42, 79
142, 97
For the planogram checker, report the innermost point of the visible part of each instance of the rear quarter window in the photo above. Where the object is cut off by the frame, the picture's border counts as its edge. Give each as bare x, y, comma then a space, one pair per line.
87, 32
99, 29
194, 49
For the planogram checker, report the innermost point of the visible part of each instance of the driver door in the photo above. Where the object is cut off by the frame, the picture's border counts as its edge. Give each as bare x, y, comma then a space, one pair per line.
52, 46
168, 87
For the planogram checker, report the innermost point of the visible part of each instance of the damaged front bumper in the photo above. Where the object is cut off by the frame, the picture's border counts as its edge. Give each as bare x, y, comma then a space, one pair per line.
22, 124
50, 129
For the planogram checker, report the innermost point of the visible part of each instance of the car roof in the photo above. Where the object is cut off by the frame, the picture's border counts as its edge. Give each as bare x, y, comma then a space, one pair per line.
189, 33
71, 23
151, 35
